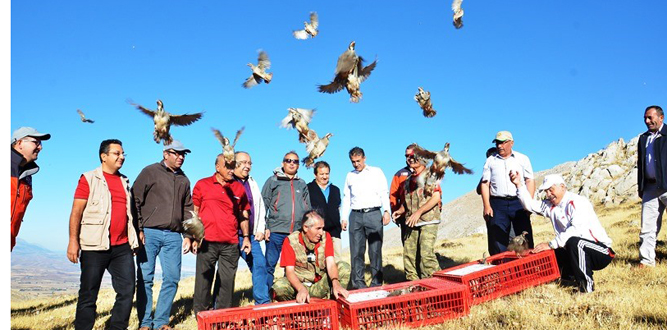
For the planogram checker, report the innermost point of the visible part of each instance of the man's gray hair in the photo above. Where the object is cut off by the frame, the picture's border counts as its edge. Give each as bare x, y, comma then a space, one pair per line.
309, 218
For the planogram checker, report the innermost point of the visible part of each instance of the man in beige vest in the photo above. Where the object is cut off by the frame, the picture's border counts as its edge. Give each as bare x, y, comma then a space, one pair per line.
310, 269
422, 215
103, 237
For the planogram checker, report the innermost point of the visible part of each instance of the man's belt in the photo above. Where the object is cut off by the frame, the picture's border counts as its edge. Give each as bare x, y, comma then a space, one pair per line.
647, 180
366, 210
507, 198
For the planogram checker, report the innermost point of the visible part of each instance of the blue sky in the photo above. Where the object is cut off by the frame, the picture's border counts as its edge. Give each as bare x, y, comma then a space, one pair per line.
565, 77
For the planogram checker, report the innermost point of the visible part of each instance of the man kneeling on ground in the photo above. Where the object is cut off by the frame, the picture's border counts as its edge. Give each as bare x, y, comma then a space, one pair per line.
581, 244
310, 270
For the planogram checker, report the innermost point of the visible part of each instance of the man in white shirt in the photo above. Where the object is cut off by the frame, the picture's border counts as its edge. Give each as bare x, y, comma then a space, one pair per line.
651, 182
502, 209
366, 205
581, 244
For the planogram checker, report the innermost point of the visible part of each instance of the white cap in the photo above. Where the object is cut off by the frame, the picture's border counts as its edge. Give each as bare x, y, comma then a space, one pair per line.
551, 180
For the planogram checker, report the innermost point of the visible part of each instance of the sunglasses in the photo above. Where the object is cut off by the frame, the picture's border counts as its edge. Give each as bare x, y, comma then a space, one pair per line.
291, 161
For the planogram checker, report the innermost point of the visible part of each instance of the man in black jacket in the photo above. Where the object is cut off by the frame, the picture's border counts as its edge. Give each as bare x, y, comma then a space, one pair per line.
325, 197
651, 181
162, 200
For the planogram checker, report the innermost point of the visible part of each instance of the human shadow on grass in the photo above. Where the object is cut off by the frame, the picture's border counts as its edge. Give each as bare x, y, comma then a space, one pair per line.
181, 309
42, 307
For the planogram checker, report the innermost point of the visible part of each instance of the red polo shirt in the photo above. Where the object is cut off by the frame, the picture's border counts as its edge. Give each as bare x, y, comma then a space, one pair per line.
288, 257
220, 208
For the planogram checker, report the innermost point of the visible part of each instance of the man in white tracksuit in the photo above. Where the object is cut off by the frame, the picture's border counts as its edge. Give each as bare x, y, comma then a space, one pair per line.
581, 244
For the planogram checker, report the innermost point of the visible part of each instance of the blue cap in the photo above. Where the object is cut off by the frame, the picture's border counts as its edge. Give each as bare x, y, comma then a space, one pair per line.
176, 146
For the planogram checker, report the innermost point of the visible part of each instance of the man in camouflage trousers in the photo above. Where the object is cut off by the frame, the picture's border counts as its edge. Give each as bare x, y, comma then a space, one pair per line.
422, 215
310, 269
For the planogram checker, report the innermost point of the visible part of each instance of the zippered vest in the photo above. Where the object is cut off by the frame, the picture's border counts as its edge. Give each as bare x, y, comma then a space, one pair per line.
414, 200
308, 271
96, 219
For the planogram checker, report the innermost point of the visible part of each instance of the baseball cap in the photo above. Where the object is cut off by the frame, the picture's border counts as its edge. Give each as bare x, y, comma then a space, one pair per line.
503, 136
29, 131
551, 180
176, 146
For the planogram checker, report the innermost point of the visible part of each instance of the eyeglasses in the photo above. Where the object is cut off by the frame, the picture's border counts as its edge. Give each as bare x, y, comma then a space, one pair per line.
36, 142
244, 162
177, 154
291, 161
117, 153
409, 156
501, 142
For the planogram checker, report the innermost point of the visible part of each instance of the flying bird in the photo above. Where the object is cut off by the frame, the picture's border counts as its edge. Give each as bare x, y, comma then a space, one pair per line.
315, 147
163, 121
298, 118
83, 117
349, 74
310, 29
458, 14
194, 227
228, 148
436, 171
519, 244
423, 98
259, 73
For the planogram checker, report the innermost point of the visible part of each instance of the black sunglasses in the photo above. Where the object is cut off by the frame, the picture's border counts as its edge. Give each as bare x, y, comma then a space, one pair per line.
291, 161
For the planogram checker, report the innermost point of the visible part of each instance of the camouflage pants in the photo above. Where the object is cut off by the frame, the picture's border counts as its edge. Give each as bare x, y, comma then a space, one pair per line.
418, 245
283, 290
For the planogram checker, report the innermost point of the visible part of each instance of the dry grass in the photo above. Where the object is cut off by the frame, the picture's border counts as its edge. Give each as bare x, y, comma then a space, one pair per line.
625, 297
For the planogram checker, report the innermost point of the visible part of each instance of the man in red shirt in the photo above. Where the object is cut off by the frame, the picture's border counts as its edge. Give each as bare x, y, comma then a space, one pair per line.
102, 236
310, 268
223, 207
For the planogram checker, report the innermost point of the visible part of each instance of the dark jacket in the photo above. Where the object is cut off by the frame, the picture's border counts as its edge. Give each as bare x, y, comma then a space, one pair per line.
660, 149
162, 198
286, 201
21, 193
328, 208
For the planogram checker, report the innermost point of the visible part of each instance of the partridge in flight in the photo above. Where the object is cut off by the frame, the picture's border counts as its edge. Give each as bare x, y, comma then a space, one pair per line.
259, 73
423, 98
436, 171
315, 147
228, 148
349, 74
163, 121
298, 118
458, 14
83, 117
310, 29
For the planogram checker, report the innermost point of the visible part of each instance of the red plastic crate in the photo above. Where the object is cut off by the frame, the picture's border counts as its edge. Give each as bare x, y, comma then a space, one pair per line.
318, 314
427, 304
509, 274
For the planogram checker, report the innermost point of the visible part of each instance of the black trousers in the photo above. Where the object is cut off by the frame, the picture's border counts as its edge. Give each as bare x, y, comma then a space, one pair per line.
579, 258
363, 227
119, 262
227, 258
507, 214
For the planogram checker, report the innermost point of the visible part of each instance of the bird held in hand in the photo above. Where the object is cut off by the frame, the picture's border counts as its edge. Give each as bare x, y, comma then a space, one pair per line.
349, 74
163, 121
228, 148
519, 244
315, 147
310, 29
298, 118
194, 227
423, 98
458, 14
259, 73
83, 117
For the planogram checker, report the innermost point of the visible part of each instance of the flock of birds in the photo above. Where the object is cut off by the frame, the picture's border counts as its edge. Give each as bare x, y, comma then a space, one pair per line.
350, 72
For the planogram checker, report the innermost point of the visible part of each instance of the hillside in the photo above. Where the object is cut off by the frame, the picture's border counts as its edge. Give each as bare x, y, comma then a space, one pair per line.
626, 297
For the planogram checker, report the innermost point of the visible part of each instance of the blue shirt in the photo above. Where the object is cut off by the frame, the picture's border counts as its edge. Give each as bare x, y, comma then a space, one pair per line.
325, 192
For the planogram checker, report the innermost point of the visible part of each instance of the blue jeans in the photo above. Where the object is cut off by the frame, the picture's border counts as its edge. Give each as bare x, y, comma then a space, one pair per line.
257, 265
167, 245
506, 214
273, 248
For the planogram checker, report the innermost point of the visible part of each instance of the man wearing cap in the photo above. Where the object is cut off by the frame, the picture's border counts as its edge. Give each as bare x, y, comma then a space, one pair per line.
103, 237
366, 205
502, 209
162, 201
26, 145
651, 181
581, 243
